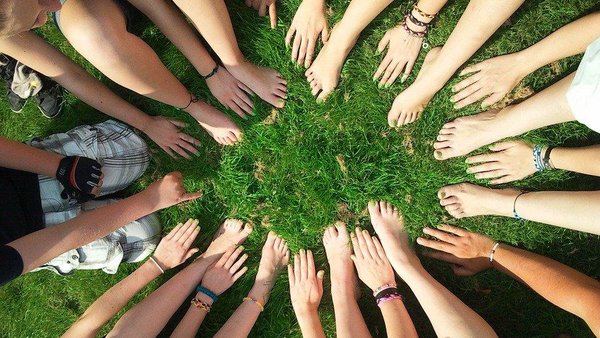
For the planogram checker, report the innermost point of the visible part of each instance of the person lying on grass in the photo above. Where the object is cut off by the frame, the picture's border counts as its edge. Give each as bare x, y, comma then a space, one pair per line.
144, 320
35, 249
403, 42
375, 260
470, 253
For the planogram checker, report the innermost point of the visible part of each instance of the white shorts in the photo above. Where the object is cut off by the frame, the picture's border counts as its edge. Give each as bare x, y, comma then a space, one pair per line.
584, 94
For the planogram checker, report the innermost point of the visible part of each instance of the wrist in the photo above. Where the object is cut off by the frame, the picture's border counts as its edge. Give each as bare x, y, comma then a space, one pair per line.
527, 61
206, 299
304, 311
319, 3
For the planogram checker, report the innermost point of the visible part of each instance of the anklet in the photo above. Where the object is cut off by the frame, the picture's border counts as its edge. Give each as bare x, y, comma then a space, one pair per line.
213, 72
259, 304
193, 99
496, 245
517, 216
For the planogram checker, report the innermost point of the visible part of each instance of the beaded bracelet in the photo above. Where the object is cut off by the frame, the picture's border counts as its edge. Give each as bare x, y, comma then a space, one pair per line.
494, 248
517, 216
423, 14
208, 293
382, 288
381, 301
201, 305
259, 304
420, 35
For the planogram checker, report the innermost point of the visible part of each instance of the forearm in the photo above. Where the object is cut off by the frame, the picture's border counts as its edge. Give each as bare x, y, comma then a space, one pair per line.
144, 320
41, 246
310, 324
357, 16
19, 156
431, 6
243, 319
397, 320
190, 323
569, 40
550, 279
167, 17
112, 301
449, 316
41, 56
576, 210
585, 160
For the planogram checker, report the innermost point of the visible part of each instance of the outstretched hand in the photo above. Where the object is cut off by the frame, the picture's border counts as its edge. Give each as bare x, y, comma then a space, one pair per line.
230, 92
373, 266
493, 78
457, 241
165, 132
508, 161
306, 286
169, 191
174, 248
309, 21
226, 271
463, 267
262, 6
402, 52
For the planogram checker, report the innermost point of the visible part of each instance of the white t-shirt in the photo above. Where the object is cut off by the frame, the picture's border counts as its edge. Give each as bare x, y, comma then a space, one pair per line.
584, 94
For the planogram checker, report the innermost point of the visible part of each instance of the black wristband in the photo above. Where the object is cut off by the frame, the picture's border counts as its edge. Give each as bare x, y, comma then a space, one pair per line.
79, 176
213, 72
386, 292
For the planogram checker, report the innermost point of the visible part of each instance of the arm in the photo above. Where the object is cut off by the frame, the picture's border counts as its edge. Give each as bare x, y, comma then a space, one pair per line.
306, 291
585, 160
43, 245
19, 156
545, 276
172, 250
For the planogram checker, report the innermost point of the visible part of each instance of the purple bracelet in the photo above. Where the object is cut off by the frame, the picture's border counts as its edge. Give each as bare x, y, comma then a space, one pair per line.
385, 299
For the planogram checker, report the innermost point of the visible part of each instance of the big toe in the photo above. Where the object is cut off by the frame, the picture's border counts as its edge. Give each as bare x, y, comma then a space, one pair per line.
233, 225
445, 153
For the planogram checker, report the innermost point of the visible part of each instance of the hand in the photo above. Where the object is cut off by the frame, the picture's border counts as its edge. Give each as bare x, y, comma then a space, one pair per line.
309, 21
463, 267
494, 78
403, 50
80, 176
372, 264
306, 286
174, 248
226, 271
169, 191
262, 5
230, 92
508, 161
458, 242
165, 132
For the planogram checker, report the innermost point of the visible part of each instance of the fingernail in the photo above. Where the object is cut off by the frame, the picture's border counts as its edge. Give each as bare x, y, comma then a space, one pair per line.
241, 247
469, 171
404, 78
387, 85
379, 85
456, 106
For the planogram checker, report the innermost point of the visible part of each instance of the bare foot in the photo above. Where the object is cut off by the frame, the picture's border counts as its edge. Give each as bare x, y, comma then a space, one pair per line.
217, 124
275, 255
338, 249
232, 232
389, 226
467, 133
410, 103
324, 74
467, 200
265, 82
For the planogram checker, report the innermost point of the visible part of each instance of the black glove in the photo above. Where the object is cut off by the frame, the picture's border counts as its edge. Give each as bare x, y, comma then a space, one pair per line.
79, 175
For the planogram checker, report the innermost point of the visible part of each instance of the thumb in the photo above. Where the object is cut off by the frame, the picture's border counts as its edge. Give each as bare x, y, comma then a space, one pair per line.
190, 253
273, 14
190, 196
320, 276
325, 34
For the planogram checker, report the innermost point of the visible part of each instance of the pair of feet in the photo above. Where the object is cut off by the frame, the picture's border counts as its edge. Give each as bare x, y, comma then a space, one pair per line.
389, 226
274, 256
231, 85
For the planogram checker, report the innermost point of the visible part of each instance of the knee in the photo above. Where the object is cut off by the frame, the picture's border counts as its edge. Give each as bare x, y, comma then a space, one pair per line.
145, 233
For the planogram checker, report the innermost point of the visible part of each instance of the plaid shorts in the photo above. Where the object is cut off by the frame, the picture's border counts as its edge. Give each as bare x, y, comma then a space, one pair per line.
124, 157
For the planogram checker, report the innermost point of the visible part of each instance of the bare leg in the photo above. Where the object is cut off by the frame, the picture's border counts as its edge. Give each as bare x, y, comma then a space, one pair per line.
97, 30
468, 133
212, 21
468, 36
349, 321
324, 74
449, 316
574, 210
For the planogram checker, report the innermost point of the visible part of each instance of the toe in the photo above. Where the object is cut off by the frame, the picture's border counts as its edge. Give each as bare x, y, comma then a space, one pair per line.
441, 145
448, 201
340, 227
271, 238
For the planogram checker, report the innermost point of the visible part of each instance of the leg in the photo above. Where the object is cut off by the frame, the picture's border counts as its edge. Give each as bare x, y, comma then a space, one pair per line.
449, 316
324, 74
123, 154
212, 21
349, 321
97, 31
466, 134
566, 209
468, 36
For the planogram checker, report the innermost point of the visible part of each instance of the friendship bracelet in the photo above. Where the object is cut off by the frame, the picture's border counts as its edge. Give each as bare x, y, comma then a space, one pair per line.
517, 216
193, 99
213, 72
259, 304
201, 305
547, 163
157, 265
208, 293
420, 35
423, 14
383, 300
416, 21
382, 288
496, 245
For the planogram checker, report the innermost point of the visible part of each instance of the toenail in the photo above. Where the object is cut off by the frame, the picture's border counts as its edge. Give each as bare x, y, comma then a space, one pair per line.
438, 154
443, 194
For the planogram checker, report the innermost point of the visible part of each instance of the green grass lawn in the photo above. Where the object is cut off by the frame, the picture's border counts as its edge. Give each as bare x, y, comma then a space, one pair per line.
286, 177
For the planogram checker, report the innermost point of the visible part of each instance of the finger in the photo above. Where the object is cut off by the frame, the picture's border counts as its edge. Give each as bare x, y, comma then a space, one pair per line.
302, 51
503, 145
488, 166
233, 257
188, 230
190, 253
388, 72
395, 75
441, 235
320, 276
310, 262
490, 100
487, 157
379, 248
181, 230
168, 151
437, 245
470, 94
296, 47
192, 237
176, 148
236, 107
325, 34
262, 8
408, 70
472, 69
189, 147
288, 36
309, 52
297, 271
453, 230
173, 231
303, 265
190, 196
225, 257
443, 256
369, 244
362, 245
291, 277
491, 174
238, 264
504, 179
178, 123
384, 42
187, 138
355, 245
273, 14
239, 274
382, 66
